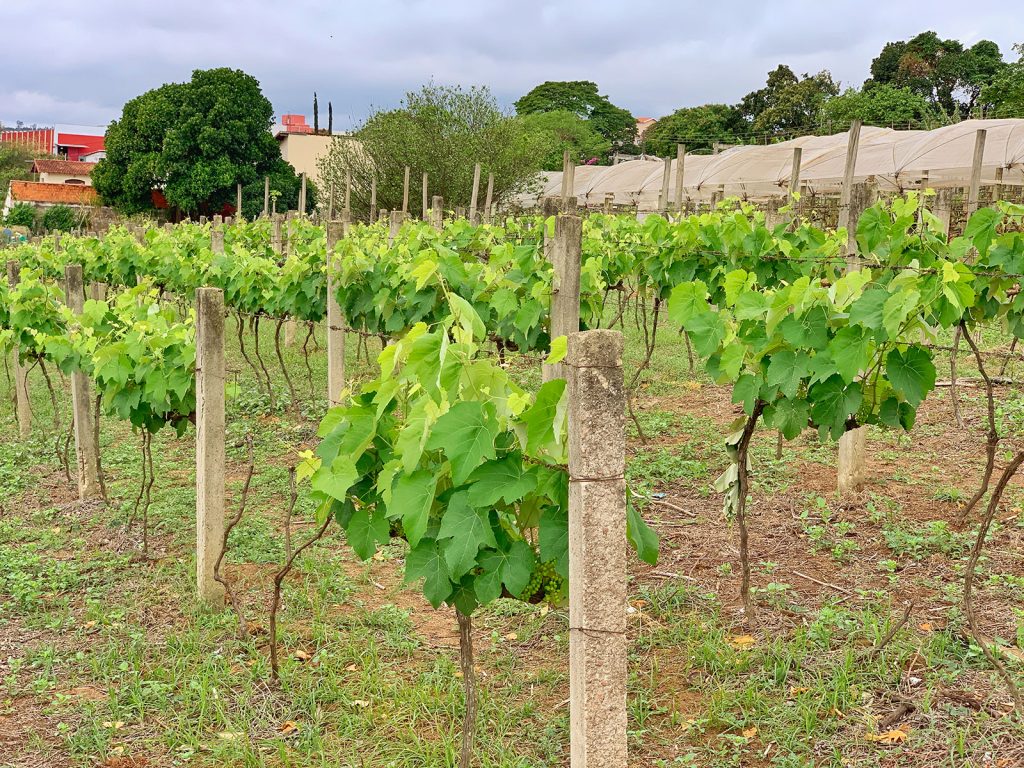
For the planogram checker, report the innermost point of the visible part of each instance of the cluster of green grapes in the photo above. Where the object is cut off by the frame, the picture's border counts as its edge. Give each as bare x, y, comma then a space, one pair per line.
546, 584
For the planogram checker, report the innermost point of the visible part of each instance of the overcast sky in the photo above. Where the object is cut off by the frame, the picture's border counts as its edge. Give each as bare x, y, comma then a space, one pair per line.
74, 62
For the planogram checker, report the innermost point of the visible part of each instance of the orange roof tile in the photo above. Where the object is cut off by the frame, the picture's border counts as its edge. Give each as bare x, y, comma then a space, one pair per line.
66, 194
63, 167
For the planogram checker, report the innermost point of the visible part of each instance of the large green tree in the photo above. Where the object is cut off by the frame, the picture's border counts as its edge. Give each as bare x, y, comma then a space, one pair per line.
440, 130
561, 129
1004, 96
879, 105
582, 98
943, 71
15, 163
195, 141
788, 102
696, 127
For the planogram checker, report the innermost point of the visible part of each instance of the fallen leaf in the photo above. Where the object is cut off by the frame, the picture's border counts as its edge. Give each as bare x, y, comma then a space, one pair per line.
692, 385
797, 690
351, 668
926, 627
90, 624
750, 733
114, 724
360, 703
301, 655
888, 738
230, 735
511, 636
544, 609
288, 726
742, 642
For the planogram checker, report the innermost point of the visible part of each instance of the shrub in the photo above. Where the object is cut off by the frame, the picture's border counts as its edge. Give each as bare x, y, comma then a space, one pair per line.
21, 215
60, 218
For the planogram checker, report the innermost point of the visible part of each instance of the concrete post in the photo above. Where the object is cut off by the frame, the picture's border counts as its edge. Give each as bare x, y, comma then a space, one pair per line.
86, 449
794, 173
302, 194
238, 201
609, 200
373, 201
266, 195
597, 550
460, 211
566, 256
335, 319
850, 466
22, 405
944, 207
397, 217
680, 168
209, 442
474, 197
217, 237
852, 145
437, 212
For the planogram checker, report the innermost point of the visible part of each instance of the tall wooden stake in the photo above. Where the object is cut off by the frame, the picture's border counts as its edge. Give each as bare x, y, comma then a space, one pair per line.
680, 168
597, 550
474, 197
489, 200
209, 442
979, 157
666, 173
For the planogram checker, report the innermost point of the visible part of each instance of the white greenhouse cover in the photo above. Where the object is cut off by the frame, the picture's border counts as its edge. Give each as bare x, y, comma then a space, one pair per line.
895, 160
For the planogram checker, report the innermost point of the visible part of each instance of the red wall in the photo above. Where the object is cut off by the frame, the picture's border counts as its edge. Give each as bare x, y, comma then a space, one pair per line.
40, 139
91, 144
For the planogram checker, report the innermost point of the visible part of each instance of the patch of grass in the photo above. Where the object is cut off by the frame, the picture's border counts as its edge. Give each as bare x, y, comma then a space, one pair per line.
920, 541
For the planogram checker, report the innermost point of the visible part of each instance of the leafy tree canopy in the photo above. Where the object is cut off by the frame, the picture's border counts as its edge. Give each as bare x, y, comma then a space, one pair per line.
1004, 96
440, 130
561, 129
878, 105
194, 140
943, 71
15, 163
581, 98
788, 102
696, 127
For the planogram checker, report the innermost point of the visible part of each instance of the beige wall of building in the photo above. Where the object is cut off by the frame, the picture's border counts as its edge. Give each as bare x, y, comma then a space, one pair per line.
303, 150
59, 178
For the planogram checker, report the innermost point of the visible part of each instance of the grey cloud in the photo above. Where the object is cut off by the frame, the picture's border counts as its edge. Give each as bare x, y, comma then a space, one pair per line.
74, 63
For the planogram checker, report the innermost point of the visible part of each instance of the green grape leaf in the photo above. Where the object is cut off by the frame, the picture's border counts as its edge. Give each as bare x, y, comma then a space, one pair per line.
911, 373
553, 538
426, 562
411, 499
468, 529
515, 565
832, 402
851, 351
789, 416
466, 434
706, 331
365, 531
686, 301
786, 370
640, 536
505, 479
543, 424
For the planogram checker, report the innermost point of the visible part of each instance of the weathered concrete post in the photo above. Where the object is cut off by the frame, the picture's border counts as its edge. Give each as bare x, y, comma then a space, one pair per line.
794, 171
395, 225
609, 200
597, 550
276, 237
86, 449
302, 194
238, 201
22, 405
566, 257
850, 467
266, 196
217, 235
335, 320
437, 212
475, 196
209, 442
